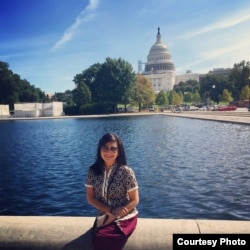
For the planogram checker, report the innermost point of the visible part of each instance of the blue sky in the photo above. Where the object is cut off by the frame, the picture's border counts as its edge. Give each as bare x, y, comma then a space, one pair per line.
48, 42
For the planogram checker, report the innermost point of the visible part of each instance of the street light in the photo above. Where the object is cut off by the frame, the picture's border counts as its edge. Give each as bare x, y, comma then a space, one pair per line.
213, 94
185, 100
249, 93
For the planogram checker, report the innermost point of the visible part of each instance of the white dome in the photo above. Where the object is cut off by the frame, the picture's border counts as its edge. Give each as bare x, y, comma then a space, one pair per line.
159, 57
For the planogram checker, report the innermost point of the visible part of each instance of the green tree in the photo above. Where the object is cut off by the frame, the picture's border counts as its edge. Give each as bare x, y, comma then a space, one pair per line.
188, 86
161, 98
88, 77
212, 86
28, 93
65, 97
170, 96
196, 97
239, 78
81, 94
8, 94
13, 89
188, 97
187, 90
114, 80
226, 96
176, 98
68, 97
245, 93
142, 92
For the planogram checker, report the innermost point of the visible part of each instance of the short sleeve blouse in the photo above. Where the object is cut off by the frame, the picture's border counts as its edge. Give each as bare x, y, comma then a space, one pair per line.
112, 188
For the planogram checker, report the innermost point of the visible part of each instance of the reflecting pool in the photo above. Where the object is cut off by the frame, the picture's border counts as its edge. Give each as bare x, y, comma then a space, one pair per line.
185, 168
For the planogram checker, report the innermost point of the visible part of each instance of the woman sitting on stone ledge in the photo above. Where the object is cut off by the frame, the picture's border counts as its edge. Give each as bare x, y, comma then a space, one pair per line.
112, 189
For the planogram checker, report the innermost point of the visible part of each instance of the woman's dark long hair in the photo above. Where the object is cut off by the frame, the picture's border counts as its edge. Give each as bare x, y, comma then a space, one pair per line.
121, 158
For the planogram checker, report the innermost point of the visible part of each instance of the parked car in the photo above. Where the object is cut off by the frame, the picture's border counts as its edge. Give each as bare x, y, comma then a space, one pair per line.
227, 108
193, 108
214, 108
152, 109
204, 108
177, 109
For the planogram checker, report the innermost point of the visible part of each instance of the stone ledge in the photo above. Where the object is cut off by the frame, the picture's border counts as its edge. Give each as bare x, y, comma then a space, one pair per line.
66, 233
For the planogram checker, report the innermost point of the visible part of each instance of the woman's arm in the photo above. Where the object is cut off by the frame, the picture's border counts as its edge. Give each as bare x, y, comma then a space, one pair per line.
94, 202
133, 202
99, 205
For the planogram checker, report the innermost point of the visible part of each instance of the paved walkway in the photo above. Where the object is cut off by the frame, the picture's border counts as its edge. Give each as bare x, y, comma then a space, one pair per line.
241, 116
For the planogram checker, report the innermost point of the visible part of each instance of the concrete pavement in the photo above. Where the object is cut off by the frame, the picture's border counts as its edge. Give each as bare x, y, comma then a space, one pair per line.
66, 233
241, 116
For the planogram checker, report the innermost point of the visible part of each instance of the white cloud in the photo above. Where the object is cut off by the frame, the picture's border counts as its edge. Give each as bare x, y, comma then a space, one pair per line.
93, 4
231, 21
85, 16
225, 50
224, 55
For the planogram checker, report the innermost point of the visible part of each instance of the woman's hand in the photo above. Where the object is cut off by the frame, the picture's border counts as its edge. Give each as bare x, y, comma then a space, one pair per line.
120, 211
116, 214
110, 219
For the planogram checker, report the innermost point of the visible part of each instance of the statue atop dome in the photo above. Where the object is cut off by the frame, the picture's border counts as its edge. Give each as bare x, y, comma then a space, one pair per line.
158, 36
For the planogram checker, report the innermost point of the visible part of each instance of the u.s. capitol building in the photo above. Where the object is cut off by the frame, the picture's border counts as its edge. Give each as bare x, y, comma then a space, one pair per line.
160, 68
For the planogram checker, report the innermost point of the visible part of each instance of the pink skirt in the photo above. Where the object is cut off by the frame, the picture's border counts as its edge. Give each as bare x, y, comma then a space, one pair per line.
115, 235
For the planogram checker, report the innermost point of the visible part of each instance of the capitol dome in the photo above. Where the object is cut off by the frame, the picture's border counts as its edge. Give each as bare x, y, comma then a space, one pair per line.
159, 58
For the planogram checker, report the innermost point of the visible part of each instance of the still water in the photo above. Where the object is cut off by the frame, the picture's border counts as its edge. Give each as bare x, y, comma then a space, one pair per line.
185, 168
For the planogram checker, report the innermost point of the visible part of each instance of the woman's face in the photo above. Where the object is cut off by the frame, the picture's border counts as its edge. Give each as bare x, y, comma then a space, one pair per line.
109, 153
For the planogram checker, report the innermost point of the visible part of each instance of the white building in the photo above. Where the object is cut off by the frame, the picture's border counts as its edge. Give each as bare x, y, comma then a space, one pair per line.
159, 68
220, 71
4, 111
187, 76
38, 109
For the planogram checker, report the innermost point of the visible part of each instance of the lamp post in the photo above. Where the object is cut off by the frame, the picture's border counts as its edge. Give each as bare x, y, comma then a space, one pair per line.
185, 100
213, 93
249, 93
207, 99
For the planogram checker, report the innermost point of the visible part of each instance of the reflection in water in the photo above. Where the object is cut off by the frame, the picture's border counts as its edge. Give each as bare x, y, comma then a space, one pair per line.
185, 168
